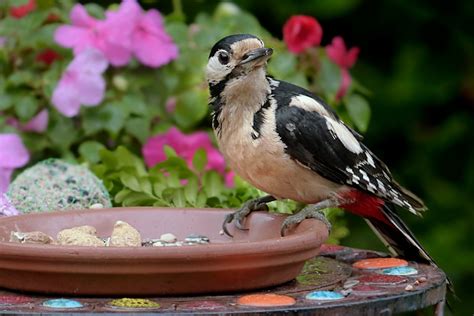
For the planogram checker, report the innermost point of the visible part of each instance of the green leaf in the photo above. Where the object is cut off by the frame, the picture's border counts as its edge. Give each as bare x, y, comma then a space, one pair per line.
134, 104
121, 195
191, 107
138, 199
21, 77
359, 111
201, 199
109, 159
5, 101
109, 117
95, 10
62, 132
282, 65
145, 185
158, 188
130, 181
178, 198
191, 190
199, 160
173, 181
89, 150
138, 127
212, 183
25, 107
329, 78
169, 151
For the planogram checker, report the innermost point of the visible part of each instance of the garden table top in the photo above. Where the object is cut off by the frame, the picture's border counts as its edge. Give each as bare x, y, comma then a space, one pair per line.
328, 285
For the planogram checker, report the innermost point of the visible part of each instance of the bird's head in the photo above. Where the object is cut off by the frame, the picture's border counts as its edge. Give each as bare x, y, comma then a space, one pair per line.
236, 56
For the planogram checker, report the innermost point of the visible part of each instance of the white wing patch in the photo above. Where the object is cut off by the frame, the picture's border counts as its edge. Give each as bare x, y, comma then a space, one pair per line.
273, 83
308, 104
344, 135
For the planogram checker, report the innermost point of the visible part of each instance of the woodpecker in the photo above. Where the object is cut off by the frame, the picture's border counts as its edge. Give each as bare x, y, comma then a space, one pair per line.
289, 143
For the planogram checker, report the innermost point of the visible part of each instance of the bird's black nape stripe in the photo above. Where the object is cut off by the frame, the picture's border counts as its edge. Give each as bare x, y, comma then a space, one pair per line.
229, 40
217, 88
258, 119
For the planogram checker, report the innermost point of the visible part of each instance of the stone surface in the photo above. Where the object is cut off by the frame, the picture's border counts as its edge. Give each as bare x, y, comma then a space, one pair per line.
80, 236
31, 238
168, 237
125, 235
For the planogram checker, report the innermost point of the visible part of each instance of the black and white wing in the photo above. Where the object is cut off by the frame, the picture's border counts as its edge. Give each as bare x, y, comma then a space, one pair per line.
315, 137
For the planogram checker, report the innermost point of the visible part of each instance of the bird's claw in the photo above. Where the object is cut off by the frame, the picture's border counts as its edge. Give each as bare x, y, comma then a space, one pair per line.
297, 218
238, 216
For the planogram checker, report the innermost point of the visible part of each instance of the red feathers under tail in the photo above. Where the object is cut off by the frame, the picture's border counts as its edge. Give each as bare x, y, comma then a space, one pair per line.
398, 238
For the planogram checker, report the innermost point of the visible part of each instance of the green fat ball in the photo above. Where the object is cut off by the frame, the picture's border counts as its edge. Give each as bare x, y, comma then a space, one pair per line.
54, 185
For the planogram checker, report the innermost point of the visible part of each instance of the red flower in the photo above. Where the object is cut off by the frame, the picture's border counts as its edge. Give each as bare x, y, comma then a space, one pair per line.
339, 54
20, 11
48, 56
345, 59
301, 32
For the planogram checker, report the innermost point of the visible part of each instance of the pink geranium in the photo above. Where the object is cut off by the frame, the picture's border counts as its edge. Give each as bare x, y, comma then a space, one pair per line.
185, 146
81, 83
125, 32
143, 33
38, 124
345, 59
13, 154
87, 32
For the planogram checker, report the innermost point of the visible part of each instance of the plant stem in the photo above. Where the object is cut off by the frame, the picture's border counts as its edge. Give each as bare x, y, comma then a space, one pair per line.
178, 9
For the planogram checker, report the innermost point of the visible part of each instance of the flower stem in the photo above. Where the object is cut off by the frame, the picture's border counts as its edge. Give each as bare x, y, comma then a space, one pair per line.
178, 9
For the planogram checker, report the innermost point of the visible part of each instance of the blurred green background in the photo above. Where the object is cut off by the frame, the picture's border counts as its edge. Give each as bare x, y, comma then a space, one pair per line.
417, 58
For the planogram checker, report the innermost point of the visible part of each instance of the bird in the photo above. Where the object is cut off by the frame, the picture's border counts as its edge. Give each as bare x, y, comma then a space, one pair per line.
290, 144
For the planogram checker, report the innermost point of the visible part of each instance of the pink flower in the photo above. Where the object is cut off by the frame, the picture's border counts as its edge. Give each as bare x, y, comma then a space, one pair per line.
229, 179
185, 146
13, 154
170, 104
81, 83
301, 32
38, 124
125, 32
339, 54
144, 33
6, 207
87, 32
345, 59
346, 81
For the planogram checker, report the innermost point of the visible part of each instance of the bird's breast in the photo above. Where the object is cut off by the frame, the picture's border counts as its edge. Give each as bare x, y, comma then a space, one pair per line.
262, 160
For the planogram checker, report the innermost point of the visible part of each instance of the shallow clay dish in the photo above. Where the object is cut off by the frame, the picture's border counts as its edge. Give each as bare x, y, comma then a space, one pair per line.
255, 258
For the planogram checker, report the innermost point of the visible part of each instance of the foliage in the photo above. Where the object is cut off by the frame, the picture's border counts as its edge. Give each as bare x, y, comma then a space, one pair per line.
173, 183
136, 96
141, 101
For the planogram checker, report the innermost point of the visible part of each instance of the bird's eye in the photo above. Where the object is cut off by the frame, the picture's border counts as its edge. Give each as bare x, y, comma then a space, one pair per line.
223, 58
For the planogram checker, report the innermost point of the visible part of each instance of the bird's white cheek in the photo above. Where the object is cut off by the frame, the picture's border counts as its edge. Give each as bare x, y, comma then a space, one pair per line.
215, 71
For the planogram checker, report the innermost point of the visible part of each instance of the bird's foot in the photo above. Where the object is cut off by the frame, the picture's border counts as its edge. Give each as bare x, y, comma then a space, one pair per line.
311, 211
259, 204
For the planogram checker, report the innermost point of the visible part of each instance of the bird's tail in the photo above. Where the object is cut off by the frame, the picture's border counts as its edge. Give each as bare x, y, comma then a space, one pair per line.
398, 238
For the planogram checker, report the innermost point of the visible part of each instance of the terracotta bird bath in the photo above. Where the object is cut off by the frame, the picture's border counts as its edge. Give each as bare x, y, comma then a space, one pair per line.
253, 259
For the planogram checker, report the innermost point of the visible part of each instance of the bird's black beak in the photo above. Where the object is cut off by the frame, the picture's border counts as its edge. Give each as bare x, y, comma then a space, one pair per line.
257, 55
